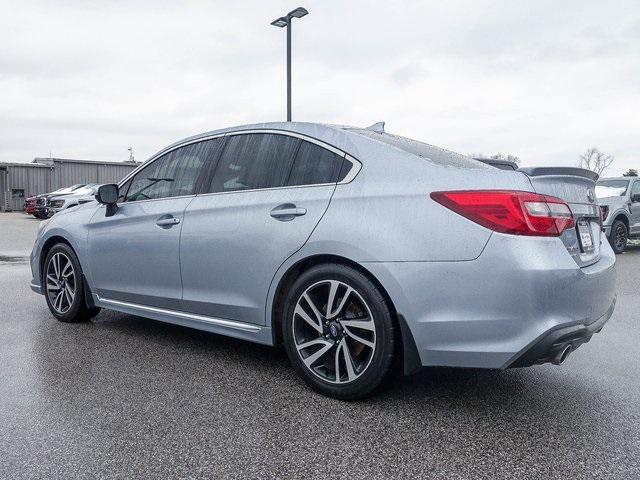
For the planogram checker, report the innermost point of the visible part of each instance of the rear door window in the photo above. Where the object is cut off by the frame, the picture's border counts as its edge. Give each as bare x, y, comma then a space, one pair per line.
315, 165
254, 161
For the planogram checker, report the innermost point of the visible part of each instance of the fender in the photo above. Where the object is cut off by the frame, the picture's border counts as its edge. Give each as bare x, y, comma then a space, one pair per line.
73, 232
620, 211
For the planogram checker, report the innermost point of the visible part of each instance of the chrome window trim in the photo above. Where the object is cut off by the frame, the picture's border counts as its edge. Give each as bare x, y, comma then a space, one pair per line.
230, 192
356, 165
246, 327
287, 133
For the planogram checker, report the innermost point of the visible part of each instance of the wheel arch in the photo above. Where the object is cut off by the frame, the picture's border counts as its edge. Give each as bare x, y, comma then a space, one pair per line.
405, 343
44, 251
46, 247
621, 215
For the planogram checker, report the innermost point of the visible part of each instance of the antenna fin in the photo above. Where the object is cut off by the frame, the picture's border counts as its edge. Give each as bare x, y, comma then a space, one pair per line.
377, 127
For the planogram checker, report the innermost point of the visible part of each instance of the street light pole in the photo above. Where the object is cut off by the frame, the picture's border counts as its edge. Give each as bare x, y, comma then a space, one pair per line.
286, 22
289, 70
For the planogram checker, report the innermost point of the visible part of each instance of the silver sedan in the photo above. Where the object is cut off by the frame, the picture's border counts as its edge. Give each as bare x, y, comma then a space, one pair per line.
349, 246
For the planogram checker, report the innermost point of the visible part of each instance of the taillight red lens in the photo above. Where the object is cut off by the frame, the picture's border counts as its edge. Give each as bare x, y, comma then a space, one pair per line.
514, 212
604, 212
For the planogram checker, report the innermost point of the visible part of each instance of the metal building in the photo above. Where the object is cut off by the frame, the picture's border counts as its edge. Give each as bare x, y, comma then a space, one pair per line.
21, 180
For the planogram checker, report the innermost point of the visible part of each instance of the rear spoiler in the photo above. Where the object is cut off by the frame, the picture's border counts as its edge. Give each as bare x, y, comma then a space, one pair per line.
557, 171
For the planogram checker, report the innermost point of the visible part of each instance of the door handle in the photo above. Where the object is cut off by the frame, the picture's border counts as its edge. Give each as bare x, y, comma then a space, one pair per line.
167, 221
287, 211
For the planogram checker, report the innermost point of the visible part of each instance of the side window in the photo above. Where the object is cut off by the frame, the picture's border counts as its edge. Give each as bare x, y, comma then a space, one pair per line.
172, 175
635, 190
314, 165
252, 161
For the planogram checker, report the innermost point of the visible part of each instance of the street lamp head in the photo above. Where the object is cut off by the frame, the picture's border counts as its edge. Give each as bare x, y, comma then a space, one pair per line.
280, 22
298, 12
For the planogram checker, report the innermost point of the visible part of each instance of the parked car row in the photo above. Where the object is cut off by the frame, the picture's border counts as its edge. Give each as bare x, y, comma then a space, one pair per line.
47, 204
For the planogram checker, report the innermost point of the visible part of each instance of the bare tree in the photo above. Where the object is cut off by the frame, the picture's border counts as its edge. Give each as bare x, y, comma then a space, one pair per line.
594, 159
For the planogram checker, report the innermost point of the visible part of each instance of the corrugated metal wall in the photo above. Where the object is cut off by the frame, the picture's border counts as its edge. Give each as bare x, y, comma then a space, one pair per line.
24, 181
66, 174
3, 190
113, 173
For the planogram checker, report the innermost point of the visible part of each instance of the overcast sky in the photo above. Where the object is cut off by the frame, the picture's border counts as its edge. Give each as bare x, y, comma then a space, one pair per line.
540, 79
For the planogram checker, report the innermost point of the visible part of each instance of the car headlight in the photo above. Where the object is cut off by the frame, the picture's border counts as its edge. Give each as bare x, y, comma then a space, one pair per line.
56, 203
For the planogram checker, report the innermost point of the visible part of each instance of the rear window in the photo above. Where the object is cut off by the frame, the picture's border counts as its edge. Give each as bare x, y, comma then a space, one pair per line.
432, 153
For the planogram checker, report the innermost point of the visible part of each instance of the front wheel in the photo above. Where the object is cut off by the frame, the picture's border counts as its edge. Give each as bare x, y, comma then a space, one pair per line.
619, 236
64, 286
338, 331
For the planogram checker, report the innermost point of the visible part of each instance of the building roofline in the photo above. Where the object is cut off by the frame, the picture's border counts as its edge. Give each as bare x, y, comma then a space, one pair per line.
30, 165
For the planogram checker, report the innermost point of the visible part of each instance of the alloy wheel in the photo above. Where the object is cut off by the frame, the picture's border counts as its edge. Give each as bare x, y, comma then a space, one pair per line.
61, 282
334, 331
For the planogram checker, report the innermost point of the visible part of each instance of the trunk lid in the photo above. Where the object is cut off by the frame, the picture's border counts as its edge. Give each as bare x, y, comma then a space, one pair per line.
576, 186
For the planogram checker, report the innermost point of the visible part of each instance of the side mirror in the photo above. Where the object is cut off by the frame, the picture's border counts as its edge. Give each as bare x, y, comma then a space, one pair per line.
108, 195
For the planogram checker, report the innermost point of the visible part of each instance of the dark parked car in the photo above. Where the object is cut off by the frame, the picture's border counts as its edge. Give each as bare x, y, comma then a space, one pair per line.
42, 200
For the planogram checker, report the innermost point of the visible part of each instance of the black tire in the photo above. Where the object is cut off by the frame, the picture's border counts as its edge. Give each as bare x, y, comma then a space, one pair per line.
76, 310
40, 216
377, 364
618, 236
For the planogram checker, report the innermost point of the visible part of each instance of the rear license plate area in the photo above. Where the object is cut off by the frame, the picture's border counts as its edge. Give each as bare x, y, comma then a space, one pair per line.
584, 236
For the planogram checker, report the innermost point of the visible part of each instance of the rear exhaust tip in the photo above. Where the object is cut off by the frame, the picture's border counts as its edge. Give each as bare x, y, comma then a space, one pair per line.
562, 355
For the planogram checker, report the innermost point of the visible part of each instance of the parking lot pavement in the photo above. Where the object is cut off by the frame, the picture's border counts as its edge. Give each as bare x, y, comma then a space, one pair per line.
17, 233
126, 397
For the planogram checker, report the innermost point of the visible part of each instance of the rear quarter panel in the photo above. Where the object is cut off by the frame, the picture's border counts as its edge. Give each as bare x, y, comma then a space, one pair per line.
386, 214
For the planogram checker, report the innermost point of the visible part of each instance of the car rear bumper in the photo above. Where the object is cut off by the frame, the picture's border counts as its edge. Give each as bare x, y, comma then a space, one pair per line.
488, 312
555, 345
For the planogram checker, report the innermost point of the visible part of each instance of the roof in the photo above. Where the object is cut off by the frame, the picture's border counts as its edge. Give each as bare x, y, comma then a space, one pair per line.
47, 160
352, 140
312, 129
29, 165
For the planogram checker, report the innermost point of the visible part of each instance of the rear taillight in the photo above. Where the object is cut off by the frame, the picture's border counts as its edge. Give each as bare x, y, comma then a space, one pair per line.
514, 212
604, 211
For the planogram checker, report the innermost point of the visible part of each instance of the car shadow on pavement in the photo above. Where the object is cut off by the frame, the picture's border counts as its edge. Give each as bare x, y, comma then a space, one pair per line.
527, 388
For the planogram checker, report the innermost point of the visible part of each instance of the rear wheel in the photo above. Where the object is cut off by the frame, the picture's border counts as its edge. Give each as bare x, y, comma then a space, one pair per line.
64, 286
338, 331
619, 236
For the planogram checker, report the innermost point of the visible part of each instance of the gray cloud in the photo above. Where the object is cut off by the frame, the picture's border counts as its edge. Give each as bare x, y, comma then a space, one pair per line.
543, 80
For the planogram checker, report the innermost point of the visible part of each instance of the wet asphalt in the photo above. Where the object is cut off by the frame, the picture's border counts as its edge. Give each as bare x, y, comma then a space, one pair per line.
126, 397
